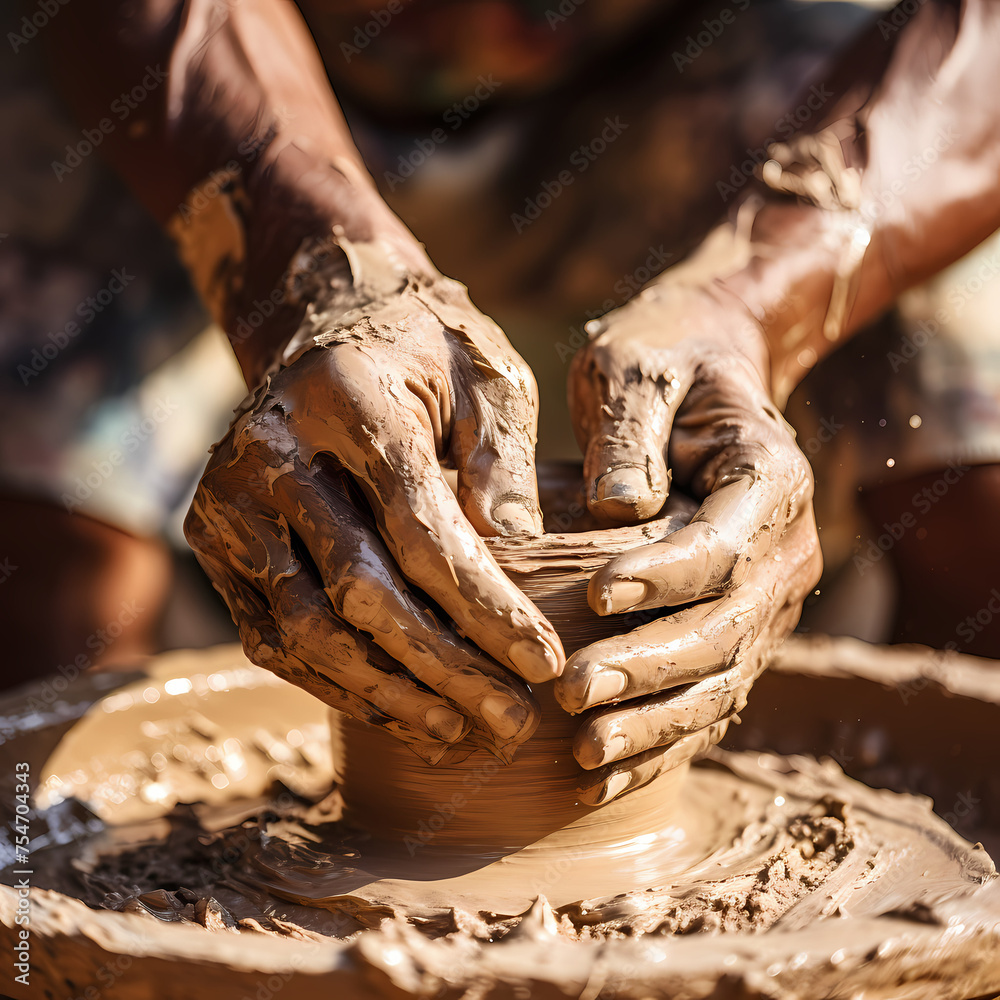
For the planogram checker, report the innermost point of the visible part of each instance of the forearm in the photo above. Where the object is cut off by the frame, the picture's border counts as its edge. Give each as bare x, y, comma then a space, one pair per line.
910, 183
241, 150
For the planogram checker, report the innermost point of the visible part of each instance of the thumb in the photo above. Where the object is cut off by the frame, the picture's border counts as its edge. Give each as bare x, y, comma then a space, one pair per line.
493, 446
623, 409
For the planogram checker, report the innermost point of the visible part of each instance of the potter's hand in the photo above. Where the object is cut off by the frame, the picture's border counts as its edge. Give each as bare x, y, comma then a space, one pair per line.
677, 379
326, 501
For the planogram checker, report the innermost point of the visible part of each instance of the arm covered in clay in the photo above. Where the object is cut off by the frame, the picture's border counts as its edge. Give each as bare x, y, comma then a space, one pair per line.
900, 180
325, 506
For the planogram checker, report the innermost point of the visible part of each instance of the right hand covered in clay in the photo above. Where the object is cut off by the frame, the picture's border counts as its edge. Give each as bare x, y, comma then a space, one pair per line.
325, 521
679, 377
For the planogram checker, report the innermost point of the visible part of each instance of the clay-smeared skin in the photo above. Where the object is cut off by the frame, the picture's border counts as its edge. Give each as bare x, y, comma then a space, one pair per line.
378, 395
679, 379
663, 386
686, 377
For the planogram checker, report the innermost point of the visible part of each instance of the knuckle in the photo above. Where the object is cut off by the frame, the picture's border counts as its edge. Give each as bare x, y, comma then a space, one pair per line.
344, 362
260, 647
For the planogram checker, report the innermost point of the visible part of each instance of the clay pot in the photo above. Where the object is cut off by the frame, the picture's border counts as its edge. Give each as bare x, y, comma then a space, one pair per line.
479, 804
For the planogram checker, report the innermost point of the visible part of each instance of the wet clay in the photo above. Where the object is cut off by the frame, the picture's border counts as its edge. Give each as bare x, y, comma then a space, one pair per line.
494, 807
735, 850
758, 841
781, 848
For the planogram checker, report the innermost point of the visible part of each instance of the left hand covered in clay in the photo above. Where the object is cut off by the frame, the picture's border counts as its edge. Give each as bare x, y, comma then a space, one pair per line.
326, 523
677, 380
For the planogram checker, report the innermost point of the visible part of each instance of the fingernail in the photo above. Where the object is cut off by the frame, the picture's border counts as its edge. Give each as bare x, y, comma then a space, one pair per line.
615, 749
534, 660
617, 784
503, 715
429, 753
445, 724
626, 485
623, 595
515, 519
604, 686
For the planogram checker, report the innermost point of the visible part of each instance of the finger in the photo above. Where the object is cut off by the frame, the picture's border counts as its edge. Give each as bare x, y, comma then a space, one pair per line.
664, 654
309, 631
297, 672
493, 447
607, 783
734, 526
385, 440
363, 585
813, 167
492, 439
299, 621
367, 592
623, 411
234, 555
219, 547
616, 733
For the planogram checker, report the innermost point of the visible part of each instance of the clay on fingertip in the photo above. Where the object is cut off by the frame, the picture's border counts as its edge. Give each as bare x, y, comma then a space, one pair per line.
535, 660
605, 686
446, 724
623, 595
516, 519
504, 716
626, 495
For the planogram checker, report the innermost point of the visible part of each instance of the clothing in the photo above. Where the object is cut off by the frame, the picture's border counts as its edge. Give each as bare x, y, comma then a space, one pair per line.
108, 398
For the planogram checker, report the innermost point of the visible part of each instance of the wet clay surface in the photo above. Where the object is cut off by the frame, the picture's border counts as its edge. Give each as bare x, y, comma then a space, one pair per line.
773, 842
220, 798
781, 848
